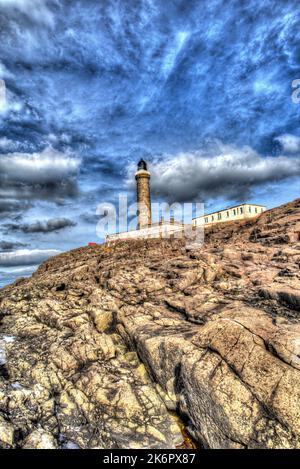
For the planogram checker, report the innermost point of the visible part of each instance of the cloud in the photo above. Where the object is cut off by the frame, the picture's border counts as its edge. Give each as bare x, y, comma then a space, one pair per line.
39, 168
6, 144
229, 172
48, 175
47, 226
3, 100
91, 218
10, 245
8, 206
290, 143
37, 10
9, 101
4, 73
26, 257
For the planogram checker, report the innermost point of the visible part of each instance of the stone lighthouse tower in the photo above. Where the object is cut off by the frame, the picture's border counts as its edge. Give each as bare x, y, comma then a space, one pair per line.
142, 177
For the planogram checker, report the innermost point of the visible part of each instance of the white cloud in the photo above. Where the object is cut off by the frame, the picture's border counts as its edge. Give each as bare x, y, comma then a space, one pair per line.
38, 168
6, 144
3, 101
172, 55
290, 143
48, 175
26, 257
226, 171
35, 9
4, 73
8, 101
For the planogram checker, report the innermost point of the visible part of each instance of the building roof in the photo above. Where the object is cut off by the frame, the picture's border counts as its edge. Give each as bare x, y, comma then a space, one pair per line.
229, 208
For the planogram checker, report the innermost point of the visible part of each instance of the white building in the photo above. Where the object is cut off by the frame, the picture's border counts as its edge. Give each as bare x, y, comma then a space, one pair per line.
164, 229
238, 212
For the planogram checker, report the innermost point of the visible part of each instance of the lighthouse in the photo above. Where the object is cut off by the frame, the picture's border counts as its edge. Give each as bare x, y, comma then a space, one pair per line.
164, 229
142, 177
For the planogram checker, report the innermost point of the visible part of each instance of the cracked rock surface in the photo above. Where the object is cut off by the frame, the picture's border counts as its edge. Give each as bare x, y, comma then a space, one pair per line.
140, 344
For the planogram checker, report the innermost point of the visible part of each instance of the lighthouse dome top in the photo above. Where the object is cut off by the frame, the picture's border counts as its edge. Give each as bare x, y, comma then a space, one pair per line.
142, 165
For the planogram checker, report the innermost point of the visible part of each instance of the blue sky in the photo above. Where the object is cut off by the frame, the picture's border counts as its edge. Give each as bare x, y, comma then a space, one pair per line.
200, 89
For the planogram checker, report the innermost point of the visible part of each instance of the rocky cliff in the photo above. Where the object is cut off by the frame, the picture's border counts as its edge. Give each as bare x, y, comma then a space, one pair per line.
147, 344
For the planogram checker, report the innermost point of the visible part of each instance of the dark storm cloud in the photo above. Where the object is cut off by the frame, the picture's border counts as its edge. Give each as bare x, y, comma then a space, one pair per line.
47, 226
45, 175
228, 172
103, 164
26, 257
9, 207
6, 246
90, 218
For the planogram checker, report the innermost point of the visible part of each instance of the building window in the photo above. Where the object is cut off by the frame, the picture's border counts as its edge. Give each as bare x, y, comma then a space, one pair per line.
249, 209
241, 209
219, 216
212, 218
255, 209
234, 212
227, 214
206, 220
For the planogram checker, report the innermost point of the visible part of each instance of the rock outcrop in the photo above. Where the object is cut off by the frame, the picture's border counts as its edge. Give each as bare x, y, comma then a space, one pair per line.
150, 344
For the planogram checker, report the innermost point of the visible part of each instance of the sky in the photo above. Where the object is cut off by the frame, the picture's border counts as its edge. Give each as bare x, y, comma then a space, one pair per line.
204, 91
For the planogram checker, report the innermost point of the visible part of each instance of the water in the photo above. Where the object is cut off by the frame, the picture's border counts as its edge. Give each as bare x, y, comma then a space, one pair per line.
9, 275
